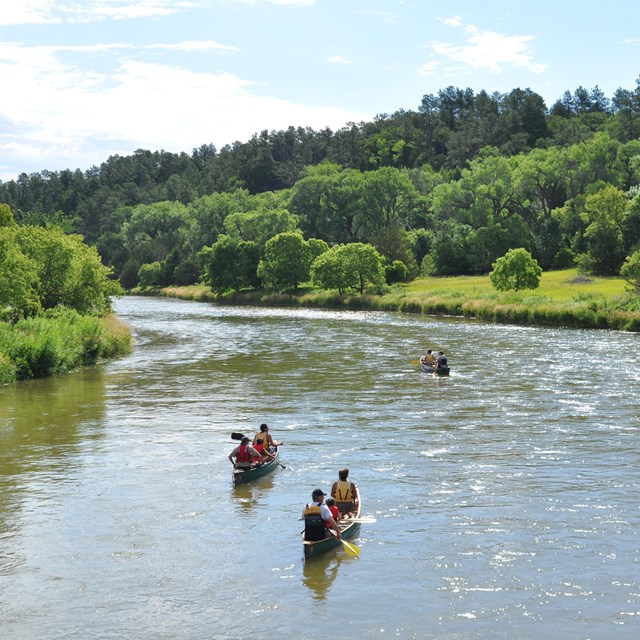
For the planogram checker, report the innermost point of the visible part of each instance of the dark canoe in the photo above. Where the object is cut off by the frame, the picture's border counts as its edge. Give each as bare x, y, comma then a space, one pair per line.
440, 371
348, 529
241, 476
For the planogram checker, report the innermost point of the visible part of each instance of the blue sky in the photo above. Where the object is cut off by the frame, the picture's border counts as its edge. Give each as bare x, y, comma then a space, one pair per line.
85, 79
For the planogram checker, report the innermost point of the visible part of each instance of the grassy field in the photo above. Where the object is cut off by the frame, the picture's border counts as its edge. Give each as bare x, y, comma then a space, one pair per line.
564, 298
557, 286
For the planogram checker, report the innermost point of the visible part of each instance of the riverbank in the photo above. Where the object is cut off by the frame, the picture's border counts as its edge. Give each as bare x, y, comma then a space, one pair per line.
564, 298
57, 342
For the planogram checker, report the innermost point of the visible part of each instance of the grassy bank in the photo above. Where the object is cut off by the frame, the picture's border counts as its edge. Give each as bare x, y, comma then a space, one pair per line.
564, 298
59, 341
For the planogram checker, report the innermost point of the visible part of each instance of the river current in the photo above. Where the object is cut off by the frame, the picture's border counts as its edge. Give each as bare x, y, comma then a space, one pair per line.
505, 496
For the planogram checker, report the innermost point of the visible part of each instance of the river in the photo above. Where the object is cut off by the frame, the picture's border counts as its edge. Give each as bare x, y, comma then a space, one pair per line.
506, 496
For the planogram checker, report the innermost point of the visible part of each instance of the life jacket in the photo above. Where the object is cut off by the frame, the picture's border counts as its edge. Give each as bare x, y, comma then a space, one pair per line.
243, 454
344, 496
314, 525
259, 448
264, 437
343, 491
335, 512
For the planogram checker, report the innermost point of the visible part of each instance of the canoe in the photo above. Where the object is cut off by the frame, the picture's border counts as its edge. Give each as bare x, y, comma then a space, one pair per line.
348, 529
241, 476
441, 371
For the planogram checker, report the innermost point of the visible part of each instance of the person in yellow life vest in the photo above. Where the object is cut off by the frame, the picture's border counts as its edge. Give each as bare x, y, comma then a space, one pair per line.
318, 519
244, 453
345, 493
269, 443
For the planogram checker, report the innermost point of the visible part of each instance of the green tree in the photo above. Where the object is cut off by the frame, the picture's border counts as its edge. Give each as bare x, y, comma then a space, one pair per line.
630, 272
67, 271
328, 271
364, 264
6, 216
18, 280
286, 262
259, 225
150, 274
606, 213
516, 270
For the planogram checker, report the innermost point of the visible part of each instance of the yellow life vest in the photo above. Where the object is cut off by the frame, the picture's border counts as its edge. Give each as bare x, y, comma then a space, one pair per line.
343, 491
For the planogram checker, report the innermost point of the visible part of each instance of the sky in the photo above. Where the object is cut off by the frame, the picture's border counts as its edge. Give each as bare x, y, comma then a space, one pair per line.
82, 80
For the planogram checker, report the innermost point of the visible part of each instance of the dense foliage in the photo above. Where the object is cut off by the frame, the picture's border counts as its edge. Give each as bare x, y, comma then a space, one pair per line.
448, 188
55, 297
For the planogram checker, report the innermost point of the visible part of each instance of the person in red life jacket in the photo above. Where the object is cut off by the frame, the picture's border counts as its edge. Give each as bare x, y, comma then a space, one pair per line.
244, 453
269, 443
317, 519
265, 456
335, 512
345, 493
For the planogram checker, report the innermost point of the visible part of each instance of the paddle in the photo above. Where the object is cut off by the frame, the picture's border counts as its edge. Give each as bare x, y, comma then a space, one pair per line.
350, 548
365, 520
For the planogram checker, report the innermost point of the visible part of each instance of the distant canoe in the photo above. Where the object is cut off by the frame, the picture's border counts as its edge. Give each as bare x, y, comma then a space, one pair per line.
240, 476
348, 529
438, 370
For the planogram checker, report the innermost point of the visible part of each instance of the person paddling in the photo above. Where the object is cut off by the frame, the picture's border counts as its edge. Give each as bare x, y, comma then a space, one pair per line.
269, 443
244, 453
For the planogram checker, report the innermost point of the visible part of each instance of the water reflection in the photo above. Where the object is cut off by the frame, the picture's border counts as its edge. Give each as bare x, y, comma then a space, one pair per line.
319, 573
247, 496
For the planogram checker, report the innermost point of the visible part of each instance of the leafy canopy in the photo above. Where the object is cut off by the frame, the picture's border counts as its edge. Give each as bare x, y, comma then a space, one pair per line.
516, 270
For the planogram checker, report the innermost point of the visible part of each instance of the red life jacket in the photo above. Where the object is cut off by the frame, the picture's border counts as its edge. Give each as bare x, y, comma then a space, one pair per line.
259, 448
243, 454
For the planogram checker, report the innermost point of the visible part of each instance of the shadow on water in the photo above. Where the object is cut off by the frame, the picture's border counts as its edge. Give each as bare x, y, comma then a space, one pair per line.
247, 496
319, 573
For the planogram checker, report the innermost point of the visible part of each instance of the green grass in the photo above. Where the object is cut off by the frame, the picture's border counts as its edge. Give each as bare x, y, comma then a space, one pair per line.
564, 298
557, 286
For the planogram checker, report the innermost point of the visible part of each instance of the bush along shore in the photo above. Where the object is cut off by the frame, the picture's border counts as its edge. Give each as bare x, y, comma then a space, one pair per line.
58, 341
564, 299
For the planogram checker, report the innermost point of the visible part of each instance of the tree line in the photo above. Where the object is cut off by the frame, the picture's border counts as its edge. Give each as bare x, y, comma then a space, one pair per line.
446, 189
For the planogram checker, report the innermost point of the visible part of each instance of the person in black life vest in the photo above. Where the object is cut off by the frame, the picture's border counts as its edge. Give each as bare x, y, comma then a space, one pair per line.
441, 360
318, 518
244, 454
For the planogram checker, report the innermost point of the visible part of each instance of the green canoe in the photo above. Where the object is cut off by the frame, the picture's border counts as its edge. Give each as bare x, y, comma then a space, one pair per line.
241, 476
348, 529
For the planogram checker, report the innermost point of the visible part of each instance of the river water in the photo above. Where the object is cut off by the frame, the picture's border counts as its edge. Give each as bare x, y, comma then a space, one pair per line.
506, 496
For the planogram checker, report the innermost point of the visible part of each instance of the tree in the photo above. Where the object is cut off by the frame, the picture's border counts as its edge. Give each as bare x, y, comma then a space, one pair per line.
18, 281
364, 264
61, 269
630, 271
606, 214
350, 266
6, 216
286, 262
328, 271
516, 270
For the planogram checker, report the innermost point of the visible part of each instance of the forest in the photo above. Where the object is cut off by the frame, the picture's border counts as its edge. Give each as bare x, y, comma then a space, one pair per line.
445, 189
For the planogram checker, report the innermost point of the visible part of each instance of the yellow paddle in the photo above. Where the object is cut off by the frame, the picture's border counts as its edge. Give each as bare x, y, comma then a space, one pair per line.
351, 549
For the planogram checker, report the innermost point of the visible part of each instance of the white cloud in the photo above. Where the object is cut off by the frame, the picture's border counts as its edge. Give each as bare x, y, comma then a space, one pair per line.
60, 116
429, 67
27, 12
339, 60
53, 11
489, 50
